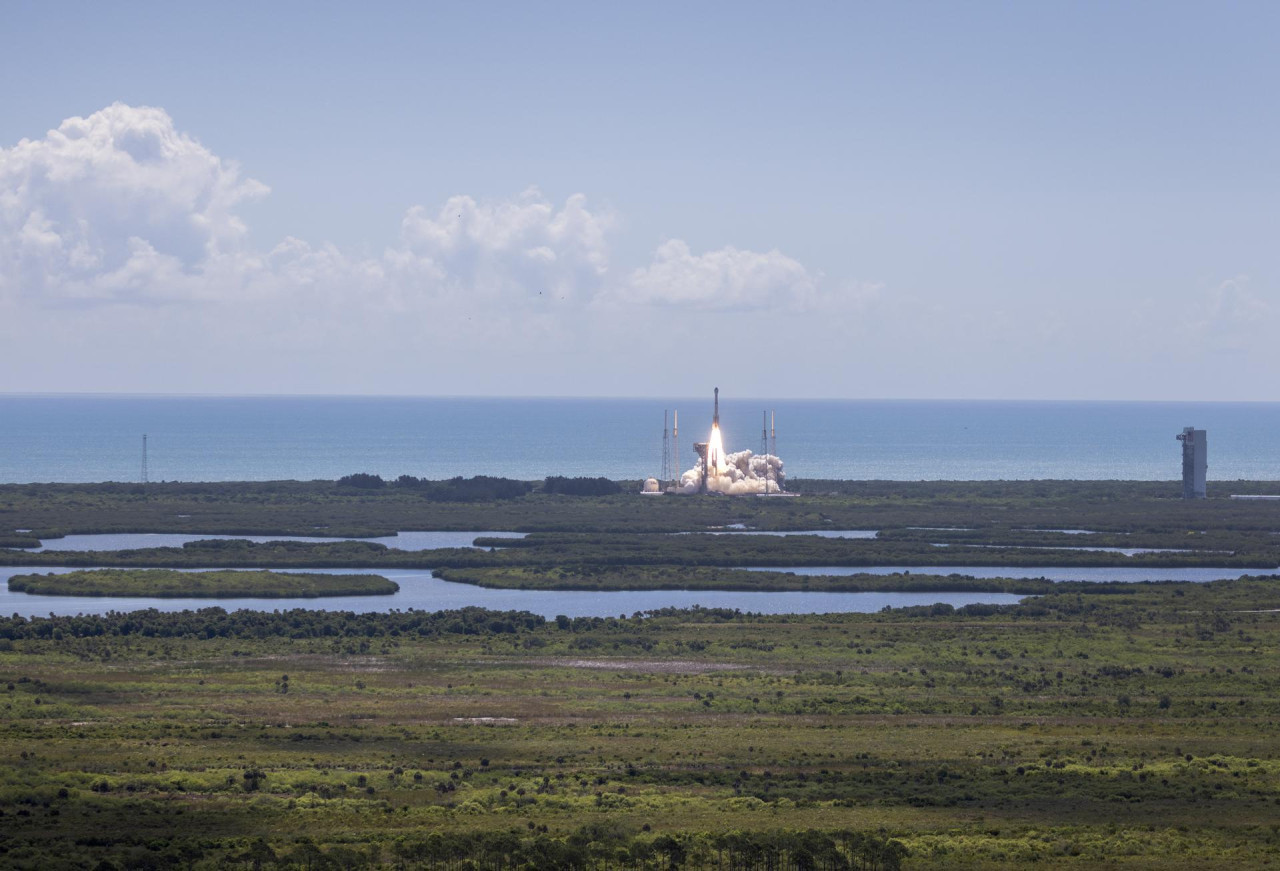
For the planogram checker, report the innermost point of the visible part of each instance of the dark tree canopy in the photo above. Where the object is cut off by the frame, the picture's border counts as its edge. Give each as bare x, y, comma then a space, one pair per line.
581, 486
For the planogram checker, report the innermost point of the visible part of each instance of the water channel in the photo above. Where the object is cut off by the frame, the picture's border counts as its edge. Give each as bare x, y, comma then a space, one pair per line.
420, 589
1123, 574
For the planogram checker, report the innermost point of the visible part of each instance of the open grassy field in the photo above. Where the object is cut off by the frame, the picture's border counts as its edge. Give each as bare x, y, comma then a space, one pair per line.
1122, 730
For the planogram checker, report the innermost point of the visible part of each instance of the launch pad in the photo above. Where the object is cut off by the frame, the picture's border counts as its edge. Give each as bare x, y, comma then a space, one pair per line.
720, 472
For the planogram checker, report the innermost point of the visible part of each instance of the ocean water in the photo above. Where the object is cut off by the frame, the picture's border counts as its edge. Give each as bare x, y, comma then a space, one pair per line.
99, 438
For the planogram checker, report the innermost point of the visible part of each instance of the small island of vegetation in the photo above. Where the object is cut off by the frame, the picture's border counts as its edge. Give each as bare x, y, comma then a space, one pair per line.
171, 584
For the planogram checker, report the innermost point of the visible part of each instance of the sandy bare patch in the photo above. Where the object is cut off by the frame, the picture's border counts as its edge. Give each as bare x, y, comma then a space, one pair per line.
498, 721
327, 662
659, 666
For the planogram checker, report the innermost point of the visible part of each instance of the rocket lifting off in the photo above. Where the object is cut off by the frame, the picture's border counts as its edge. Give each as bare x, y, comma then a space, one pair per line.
715, 444
739, 473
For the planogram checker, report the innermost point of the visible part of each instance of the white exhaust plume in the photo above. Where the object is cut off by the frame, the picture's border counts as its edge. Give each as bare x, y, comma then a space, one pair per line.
737, 474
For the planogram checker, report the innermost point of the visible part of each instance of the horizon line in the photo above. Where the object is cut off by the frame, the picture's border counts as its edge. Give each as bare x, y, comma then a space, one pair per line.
598, 397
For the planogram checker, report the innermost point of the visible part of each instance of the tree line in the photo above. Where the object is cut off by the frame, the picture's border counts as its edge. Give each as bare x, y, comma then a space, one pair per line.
480, 488
600, 846
294, 623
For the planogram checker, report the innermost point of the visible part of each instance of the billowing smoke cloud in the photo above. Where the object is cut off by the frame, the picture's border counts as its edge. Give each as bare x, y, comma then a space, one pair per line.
742, 474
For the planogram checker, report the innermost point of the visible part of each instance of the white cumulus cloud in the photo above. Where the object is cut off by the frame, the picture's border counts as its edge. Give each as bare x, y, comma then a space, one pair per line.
118, 205
524, 247
122, 207
121, 240
1233, 317
727, 278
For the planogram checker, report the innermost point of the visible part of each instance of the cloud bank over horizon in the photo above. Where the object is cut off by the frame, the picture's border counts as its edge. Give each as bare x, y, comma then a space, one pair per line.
123, 244
121, 207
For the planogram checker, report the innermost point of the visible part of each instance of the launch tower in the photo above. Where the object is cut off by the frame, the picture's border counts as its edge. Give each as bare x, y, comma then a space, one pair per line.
1195, 449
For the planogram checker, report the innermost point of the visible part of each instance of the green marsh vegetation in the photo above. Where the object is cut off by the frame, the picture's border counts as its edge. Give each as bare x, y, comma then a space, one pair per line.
1117, 725
623, 556
593, 577
624, 540
329, 508
1129, 729
205, 584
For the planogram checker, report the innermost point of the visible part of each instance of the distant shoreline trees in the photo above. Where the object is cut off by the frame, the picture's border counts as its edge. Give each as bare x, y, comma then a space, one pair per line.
481, 488
581, 486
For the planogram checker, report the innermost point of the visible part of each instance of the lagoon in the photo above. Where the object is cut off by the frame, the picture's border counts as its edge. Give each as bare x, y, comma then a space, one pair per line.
420, 589
1123, 574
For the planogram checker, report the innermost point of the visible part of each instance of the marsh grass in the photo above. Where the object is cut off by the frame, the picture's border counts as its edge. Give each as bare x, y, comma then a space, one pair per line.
1093, 725
1084, 730
162, 583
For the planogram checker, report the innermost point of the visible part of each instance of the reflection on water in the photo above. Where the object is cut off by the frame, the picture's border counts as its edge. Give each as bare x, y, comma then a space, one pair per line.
821, 533
1198, 574
1125, 551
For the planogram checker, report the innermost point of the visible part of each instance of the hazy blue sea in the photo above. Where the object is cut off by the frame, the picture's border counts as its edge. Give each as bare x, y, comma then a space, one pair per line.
99, 438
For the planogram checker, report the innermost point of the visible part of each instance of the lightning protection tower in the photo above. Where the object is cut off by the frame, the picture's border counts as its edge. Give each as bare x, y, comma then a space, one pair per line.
773, 433
675, 448
764, 447
144, 458
666, 450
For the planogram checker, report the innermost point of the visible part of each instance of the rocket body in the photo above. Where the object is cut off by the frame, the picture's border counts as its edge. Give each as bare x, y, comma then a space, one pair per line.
715, 419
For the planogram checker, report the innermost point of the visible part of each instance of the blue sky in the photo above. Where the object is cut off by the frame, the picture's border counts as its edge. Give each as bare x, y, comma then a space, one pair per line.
998, 200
